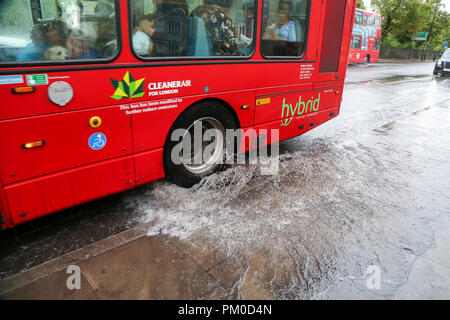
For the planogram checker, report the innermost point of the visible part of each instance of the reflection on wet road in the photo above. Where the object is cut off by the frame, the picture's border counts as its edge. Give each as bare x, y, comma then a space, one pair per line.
358, 191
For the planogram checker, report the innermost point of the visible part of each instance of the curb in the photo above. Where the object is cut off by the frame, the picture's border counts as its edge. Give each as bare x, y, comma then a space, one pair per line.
402, 61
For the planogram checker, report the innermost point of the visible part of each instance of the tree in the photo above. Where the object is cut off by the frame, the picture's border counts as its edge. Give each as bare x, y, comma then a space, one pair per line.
389, 10
401, 19
360, 5
438, 26
411, 19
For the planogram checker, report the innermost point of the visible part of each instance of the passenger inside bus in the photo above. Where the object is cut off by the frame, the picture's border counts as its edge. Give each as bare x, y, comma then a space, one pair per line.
282, 22
224, 34
36, 48
59, 30
106, 27
209, 29
164, 32
285, 28
56, 41
57, 33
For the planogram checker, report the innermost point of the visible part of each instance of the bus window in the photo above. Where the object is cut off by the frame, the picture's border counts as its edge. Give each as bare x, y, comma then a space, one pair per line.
365, 20
358, 17
178, 28
49, 30
356, 42
371, 21
283, 28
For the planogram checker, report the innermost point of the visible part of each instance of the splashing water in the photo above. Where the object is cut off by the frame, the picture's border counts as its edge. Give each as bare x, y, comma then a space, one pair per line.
317, 221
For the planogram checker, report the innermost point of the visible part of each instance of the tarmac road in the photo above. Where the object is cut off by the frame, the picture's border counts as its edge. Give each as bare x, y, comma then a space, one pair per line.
360, 208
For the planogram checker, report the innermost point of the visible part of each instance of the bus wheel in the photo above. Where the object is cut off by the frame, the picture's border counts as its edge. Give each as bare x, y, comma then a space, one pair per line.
195, 146
367, 59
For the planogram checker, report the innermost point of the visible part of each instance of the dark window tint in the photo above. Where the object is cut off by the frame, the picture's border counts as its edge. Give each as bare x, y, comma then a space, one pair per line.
283, 27
332, 36
356, 42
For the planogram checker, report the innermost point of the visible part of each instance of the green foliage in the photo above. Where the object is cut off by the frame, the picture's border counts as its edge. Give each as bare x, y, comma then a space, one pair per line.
360, 5
401, 19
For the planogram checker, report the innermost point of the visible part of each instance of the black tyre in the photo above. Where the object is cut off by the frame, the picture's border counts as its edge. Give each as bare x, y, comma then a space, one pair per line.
188, 168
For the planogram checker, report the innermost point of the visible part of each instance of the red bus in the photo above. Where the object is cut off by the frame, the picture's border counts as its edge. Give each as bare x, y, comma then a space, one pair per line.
92, 90
366, 35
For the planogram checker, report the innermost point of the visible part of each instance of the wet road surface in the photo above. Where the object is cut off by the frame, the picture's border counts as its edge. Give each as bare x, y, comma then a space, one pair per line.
365, 189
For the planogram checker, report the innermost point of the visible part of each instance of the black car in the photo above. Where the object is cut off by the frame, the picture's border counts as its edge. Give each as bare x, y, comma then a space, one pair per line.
443, 64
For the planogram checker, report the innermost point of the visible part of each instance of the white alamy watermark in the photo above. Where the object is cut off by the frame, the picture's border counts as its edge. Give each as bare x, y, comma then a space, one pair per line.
206, 143
74, 280
374, 279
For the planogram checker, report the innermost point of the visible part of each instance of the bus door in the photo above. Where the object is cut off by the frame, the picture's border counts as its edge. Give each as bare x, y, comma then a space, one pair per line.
376, 50
371, 45
337, 32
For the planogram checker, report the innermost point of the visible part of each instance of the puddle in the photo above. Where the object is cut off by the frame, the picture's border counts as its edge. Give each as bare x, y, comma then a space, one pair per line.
319, 220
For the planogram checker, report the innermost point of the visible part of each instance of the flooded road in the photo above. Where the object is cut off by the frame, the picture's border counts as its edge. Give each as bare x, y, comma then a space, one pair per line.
359, 192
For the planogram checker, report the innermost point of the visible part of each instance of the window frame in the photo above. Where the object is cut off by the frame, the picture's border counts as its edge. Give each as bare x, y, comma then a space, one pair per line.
375, 43
360, 42
359, 14
77, 61
300, 57
191, 58
365, 19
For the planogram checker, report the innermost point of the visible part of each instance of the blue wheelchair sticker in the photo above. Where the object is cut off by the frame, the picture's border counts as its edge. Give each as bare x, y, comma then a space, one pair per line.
97, 141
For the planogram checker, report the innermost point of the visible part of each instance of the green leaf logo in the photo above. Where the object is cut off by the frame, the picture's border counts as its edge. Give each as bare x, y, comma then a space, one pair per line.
128, 87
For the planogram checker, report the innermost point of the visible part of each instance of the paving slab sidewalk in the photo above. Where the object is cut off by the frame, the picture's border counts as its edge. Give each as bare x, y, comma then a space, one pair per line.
131, 265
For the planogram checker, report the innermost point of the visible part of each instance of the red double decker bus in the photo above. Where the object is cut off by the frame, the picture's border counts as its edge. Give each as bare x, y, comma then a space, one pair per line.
365, 40
92, 91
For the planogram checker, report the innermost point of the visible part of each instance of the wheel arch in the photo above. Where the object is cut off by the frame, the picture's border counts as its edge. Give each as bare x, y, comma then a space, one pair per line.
224, 103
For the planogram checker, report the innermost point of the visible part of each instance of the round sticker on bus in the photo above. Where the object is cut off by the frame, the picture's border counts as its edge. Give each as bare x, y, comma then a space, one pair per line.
97, 141
60, 93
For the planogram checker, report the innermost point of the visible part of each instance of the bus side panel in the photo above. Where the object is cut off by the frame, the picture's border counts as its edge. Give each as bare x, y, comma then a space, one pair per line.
150, 128
299, 112
149, 166
356, 56
37, 197
283, 105
66, 138
298, 125
5, 221
330, 93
